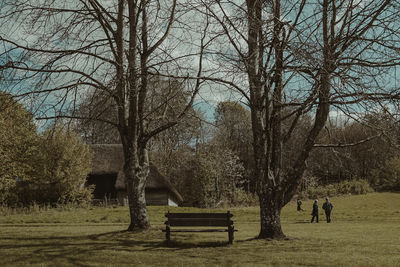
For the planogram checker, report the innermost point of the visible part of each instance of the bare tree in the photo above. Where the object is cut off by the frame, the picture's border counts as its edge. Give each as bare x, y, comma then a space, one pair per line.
53, 52
290, 58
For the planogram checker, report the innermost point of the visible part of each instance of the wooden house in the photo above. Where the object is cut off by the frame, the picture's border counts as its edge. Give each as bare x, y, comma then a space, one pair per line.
108, 178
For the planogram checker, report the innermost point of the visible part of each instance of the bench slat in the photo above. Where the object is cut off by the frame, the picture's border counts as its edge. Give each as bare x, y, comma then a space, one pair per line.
199, 230
198, 215
198, 222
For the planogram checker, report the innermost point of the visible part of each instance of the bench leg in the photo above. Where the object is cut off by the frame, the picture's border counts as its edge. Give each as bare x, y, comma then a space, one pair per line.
167, 234
230, 234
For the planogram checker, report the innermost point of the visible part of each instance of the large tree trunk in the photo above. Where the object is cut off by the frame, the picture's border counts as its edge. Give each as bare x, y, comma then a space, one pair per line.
136, 170
270, 215
135, 185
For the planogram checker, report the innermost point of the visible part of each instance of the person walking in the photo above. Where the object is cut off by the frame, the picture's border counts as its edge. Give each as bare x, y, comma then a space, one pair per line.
299, 205
327, 207
314, 212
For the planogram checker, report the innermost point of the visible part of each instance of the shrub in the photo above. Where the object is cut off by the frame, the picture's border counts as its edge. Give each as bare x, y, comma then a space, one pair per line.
242, 198
47, 168
213, 178
387, 177
354, 187
18, 147
61, 167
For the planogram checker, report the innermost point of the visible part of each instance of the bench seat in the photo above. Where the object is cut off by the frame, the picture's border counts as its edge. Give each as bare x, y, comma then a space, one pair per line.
199, 220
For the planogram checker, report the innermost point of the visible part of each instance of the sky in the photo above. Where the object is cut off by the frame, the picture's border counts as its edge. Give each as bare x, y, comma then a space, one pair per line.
183, 41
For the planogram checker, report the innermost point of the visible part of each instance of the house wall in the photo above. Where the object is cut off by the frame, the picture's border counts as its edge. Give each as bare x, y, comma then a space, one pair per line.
103, 185
154, 197
157, 197
172, 202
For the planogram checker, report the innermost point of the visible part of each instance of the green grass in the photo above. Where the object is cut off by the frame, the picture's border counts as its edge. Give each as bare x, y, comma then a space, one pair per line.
365, 231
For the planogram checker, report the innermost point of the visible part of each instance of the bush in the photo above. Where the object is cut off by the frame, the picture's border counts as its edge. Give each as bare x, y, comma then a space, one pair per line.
18, 147
387, 177
47, 168
61, 167
353, 187
213, 178
242, 198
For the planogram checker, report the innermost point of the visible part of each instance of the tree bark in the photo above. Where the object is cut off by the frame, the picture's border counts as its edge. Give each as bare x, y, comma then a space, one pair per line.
135, 181
270, 216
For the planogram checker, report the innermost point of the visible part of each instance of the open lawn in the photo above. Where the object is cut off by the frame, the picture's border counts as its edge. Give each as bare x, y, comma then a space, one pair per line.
365, 231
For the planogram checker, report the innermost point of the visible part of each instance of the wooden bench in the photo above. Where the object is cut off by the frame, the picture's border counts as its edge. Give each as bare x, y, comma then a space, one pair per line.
199, 220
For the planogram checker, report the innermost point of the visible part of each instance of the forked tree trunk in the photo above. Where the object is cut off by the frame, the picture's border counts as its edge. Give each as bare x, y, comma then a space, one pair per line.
276, 187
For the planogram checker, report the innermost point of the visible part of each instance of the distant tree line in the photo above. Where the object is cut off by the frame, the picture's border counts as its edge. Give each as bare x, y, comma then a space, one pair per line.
210, 163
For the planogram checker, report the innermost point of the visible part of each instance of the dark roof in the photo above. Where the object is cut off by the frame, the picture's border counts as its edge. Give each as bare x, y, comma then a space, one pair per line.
109, 158
157, 180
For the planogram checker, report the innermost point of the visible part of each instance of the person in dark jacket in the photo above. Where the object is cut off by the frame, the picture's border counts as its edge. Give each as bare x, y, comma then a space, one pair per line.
299, 205
327, 207
314, 212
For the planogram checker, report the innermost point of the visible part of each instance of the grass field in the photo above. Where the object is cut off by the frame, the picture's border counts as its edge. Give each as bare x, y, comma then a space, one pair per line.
365, 231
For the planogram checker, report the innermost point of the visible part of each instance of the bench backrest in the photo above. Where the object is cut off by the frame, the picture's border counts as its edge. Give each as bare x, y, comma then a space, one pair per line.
199, 219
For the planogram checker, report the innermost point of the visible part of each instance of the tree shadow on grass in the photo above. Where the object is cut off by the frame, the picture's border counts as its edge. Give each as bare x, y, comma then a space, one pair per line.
287, 238
248, 239
84, 249
75, 250
180, 245
302, 222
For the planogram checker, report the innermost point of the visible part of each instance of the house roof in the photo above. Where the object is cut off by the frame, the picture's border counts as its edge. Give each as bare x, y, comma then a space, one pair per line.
109, 158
